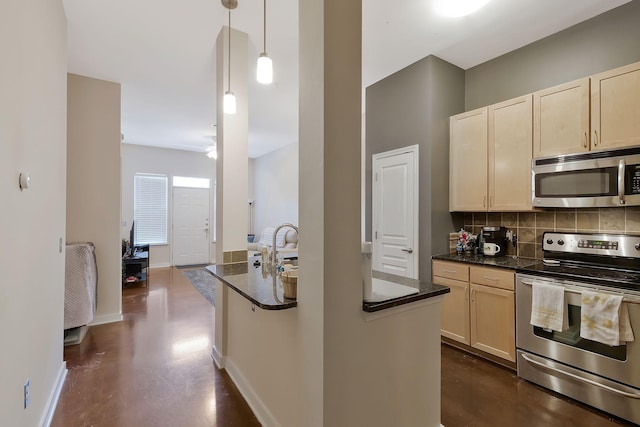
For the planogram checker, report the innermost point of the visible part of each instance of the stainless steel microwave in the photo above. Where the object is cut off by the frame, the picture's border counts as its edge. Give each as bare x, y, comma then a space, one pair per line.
585, 180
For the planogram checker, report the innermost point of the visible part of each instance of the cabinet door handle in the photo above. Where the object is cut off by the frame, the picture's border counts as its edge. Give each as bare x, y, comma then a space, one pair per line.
473, 292
595, 138
484, 202
450, 271
586, 139
490, 278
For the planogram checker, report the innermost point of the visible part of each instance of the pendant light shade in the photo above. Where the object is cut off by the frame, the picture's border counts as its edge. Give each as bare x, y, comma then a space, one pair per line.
264, 72
229, 102
265, 69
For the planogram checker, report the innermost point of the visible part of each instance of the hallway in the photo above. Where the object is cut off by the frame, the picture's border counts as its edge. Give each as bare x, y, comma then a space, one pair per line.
154, 368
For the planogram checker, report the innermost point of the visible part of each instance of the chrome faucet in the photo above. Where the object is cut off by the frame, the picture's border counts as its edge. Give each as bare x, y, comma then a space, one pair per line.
274, 259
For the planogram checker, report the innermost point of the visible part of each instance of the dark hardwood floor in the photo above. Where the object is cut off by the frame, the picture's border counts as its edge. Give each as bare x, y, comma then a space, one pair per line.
480, 393
154, 369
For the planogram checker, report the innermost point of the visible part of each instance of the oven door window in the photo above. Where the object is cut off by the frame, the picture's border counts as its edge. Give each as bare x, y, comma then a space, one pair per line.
571, 337
582, 183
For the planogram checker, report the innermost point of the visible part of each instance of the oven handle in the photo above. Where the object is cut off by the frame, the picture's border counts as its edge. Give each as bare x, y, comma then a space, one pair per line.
579, 378
625, 298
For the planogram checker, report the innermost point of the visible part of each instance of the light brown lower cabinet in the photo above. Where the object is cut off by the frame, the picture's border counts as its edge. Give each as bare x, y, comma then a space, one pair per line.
455, 311
480, 309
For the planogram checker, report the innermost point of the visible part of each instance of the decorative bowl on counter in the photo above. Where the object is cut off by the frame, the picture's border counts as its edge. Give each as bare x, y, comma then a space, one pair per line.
289, 280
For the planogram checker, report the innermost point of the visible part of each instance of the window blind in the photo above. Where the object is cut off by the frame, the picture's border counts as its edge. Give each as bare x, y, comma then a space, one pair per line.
150, 209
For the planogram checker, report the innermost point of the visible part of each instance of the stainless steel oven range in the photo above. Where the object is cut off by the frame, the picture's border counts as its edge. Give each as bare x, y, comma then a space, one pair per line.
606, 377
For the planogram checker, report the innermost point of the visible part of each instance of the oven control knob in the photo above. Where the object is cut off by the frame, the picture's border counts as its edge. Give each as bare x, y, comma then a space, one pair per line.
549, 241
637, 246
561, 242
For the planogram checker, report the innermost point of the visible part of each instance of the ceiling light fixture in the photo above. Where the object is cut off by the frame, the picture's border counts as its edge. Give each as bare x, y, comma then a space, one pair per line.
264, 72
458, 8
212, 152
229, 101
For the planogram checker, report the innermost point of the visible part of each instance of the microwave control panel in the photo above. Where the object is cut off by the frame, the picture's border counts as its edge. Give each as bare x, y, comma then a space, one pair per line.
632, 183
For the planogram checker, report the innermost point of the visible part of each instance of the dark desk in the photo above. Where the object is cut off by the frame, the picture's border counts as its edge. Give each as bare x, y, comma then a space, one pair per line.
135, 269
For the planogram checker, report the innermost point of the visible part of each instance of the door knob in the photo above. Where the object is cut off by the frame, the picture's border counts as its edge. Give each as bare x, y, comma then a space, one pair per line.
409, 251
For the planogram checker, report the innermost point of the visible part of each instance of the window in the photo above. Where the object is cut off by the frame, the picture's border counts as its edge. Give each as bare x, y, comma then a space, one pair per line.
150, 209
190, 182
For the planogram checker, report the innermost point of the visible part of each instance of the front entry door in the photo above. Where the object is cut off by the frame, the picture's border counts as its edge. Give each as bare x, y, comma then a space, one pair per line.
395, 212
190, 226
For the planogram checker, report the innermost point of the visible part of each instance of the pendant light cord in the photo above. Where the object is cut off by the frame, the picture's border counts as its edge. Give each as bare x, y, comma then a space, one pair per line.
229, 52
264, 38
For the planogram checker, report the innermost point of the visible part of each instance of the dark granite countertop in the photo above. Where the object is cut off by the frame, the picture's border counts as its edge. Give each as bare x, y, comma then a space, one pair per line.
426, 290
257, 284
260, 287
508, 262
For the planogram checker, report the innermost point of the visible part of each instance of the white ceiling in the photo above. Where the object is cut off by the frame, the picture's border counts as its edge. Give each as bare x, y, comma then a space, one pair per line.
163, 54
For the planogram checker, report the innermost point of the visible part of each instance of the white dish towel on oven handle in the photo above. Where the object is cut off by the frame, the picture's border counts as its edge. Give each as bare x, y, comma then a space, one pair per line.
548, 307
605, 318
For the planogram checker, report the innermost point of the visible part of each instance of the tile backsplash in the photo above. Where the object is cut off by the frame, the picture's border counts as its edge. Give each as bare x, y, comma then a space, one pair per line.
529, 226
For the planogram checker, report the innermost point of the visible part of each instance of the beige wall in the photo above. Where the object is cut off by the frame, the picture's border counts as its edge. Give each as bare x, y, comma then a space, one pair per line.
142, 159
276, 188
93, 183
33, 88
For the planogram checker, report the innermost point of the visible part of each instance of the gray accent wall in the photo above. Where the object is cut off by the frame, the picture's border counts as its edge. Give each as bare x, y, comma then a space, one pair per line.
412, 107
604, 42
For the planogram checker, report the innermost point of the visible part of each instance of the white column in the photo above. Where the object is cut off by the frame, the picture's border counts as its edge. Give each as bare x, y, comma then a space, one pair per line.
232, 171
232, 174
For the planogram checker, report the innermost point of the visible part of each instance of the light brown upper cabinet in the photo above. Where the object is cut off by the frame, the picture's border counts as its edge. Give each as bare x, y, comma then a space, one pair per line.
615, 108
490, 163
561, 119
611, 100
468, 161
509, 154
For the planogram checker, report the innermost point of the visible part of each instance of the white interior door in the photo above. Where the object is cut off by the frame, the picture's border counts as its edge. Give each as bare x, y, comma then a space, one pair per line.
190, 226
395, 212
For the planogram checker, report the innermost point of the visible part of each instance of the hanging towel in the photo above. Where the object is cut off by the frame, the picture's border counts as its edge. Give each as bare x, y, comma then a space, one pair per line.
548, 307
605, 319
626, 333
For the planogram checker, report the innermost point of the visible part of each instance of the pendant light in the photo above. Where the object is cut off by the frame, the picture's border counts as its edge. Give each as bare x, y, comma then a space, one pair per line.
264, 72
229, 100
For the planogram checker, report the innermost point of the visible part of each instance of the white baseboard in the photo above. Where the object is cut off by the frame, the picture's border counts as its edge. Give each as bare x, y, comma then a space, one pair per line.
260, 410
52, 401
106, 318
160, 265
218, 359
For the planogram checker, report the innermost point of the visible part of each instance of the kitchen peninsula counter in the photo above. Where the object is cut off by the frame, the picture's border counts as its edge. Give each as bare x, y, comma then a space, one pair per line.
255, 283
425, 290
259, 286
